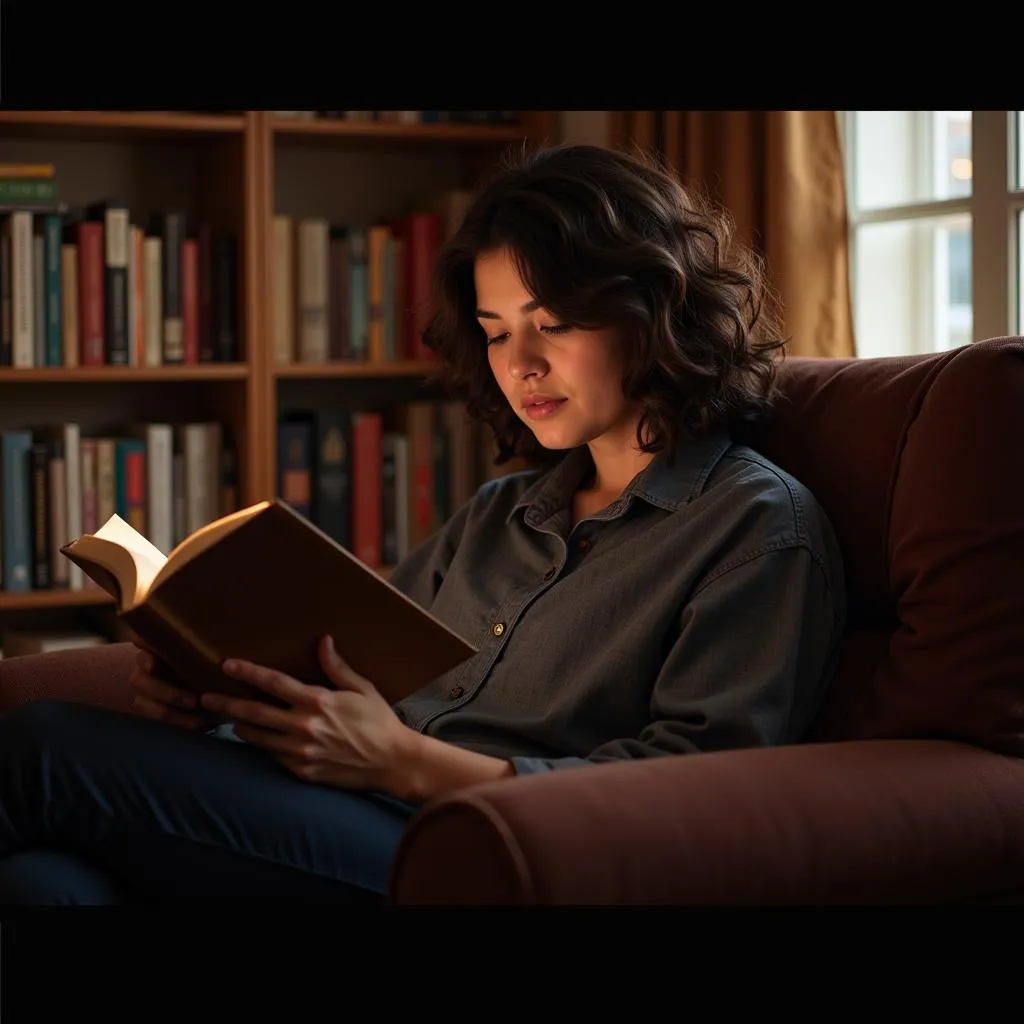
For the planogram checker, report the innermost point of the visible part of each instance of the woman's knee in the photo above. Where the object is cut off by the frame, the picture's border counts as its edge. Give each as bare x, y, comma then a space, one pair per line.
54, 878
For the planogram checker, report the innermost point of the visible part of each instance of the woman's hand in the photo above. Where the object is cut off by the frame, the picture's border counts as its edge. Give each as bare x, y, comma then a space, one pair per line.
157, 698
349, 737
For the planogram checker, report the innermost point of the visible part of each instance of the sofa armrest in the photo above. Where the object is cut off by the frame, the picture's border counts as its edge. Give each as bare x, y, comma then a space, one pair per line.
904, 821
86, 675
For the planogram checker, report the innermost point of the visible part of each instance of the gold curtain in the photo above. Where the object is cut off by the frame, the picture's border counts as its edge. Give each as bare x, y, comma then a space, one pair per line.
779, 173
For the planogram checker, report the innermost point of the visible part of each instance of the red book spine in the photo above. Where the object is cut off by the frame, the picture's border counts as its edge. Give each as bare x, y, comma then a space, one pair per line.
367, 497
190, 298
91, 289
423, 240
135, 489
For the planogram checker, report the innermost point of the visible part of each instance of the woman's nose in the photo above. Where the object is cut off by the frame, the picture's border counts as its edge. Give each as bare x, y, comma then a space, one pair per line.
525, 358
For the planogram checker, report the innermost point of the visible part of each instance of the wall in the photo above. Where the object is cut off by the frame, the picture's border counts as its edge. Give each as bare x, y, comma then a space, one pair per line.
586, 126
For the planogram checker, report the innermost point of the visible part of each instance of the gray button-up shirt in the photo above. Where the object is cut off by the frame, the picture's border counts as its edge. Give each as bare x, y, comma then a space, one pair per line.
700, 611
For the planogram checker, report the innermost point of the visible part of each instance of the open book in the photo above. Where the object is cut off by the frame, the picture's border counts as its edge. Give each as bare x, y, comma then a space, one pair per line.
264, 584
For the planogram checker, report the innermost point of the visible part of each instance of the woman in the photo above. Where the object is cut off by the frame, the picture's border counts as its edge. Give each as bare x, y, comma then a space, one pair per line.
656, 589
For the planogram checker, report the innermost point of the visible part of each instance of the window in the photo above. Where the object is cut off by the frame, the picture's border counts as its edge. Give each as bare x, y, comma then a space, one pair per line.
936, 204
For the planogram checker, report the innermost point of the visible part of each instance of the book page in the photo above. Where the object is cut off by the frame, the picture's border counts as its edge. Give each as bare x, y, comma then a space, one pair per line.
148, 558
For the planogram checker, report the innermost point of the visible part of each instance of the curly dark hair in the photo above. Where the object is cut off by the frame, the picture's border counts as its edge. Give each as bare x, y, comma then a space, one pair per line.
608, 239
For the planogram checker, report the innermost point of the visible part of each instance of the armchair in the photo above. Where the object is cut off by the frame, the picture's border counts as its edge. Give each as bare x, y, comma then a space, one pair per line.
909, 788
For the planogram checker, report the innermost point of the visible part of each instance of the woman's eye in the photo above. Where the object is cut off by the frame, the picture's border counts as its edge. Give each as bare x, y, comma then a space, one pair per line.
557, 329
497, 339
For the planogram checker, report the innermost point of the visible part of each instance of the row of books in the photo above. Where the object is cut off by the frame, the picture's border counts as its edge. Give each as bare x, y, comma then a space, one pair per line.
88, 286
352, 293
380, 483
406, 116
166, 480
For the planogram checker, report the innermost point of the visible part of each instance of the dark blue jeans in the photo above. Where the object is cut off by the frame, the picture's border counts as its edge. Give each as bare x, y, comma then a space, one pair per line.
101, 807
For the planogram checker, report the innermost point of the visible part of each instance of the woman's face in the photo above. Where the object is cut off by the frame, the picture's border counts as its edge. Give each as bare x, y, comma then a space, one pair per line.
563, 383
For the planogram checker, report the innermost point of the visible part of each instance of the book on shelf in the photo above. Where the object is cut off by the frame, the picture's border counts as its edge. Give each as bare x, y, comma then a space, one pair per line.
265, 584
92, 285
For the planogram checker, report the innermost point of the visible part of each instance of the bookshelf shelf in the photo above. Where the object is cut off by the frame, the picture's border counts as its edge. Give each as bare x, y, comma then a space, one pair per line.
116, 124
124, 374
52, 599
310, 371
298, 129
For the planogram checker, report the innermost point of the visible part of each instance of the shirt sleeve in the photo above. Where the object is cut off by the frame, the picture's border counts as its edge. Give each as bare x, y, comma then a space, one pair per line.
420, 574
749, 666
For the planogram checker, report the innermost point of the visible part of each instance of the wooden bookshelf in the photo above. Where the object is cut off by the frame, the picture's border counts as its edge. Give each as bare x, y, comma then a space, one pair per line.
123, 374
311, 371
90, 125
234, 170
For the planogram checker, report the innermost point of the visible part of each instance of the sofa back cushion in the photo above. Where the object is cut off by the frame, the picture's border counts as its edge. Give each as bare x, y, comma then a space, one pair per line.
918, 463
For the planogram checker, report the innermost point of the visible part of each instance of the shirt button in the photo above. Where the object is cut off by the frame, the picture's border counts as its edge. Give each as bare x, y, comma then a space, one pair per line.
549, 573
583, 543
498, 628
455, 692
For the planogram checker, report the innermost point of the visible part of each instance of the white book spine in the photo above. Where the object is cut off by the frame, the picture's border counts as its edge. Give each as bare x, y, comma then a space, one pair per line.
197, 479
160, 485
152, 288
22, 296
39, 299
313, 284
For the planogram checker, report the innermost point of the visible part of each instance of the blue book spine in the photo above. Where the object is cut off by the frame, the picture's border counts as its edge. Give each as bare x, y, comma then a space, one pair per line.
15, 452
52, 234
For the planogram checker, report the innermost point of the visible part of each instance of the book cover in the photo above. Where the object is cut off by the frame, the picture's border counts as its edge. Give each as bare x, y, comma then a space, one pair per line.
265, 584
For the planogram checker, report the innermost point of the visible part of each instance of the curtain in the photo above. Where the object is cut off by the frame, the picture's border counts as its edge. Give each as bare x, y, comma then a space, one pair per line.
779, 173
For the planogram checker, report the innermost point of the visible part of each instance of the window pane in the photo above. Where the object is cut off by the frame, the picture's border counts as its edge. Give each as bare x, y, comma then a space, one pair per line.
1019, 125
1020, 272
913, 286
910, 156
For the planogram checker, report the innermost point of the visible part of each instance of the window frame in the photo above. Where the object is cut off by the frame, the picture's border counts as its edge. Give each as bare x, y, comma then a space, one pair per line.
995, 207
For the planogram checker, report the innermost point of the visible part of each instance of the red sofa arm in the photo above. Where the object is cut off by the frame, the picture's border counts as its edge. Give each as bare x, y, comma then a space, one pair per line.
902, 821
86, 675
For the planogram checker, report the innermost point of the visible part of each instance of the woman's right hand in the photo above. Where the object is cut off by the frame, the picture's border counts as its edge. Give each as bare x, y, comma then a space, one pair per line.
161, 700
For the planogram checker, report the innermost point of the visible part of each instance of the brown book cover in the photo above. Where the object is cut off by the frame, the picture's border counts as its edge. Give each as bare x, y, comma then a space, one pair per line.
264, 584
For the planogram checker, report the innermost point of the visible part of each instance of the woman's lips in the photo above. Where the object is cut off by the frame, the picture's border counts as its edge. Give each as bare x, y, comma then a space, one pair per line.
545, 409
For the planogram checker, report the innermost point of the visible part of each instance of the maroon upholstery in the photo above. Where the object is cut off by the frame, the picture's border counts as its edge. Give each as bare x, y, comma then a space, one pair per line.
916, 461
89, 675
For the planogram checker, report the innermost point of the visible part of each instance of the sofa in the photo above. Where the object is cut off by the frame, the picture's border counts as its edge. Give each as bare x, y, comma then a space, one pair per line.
908, 788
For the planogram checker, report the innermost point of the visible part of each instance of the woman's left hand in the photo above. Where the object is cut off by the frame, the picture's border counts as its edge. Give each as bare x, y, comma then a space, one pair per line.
349, 737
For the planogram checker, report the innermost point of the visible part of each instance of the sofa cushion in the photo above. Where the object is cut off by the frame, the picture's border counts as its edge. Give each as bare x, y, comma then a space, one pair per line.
916, 460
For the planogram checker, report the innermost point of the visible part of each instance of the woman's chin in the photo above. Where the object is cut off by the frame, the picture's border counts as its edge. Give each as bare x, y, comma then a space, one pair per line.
556, 439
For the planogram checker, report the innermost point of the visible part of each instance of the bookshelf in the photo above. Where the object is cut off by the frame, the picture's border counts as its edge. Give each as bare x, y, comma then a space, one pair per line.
234, 172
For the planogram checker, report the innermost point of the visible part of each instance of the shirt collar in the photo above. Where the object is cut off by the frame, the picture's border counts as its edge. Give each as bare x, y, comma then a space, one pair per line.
667, 485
